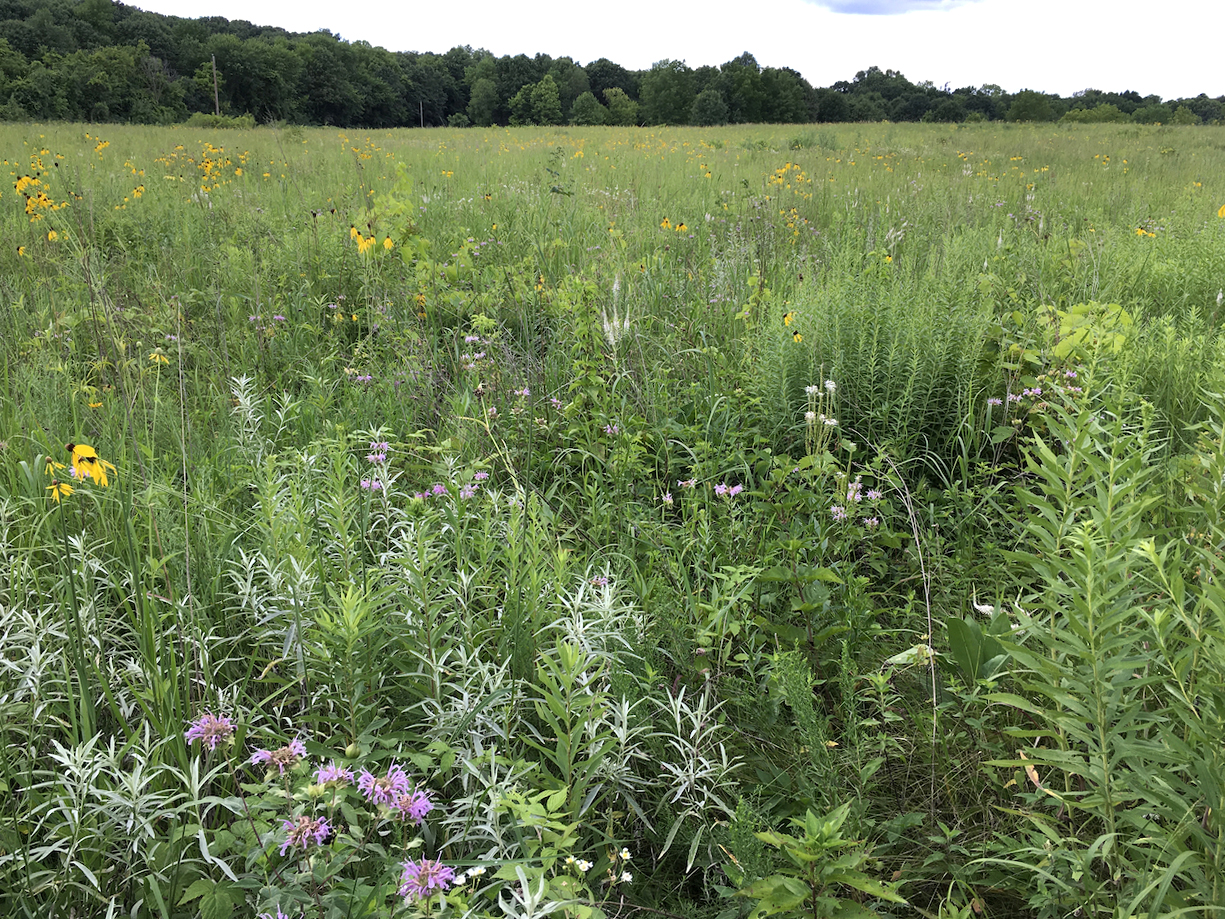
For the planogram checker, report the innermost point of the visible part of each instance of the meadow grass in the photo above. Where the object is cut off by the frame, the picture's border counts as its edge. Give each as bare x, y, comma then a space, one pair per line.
508, 457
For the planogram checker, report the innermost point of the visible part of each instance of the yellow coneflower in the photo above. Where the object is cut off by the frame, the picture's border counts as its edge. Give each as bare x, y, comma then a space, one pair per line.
59, 490
87, 464
388, 244
796, 336
789, 317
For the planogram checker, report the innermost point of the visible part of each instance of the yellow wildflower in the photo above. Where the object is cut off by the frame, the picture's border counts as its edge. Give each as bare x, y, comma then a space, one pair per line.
87, 464
796, 336
388, 244
52, 236
789, 317
59, 490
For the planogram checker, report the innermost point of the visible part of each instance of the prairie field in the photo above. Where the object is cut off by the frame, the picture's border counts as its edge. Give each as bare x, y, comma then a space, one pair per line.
743, 521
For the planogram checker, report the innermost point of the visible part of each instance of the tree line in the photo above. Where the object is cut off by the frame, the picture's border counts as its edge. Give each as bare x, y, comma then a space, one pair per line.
103, 61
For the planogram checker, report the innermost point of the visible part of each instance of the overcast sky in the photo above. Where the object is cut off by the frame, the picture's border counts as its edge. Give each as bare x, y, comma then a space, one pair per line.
1171, 48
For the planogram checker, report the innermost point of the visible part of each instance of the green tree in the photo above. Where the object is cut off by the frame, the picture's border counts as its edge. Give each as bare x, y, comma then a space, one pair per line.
622, 110
546, 102
483, 102
1028, 105
587, 111
666, 93
709, 108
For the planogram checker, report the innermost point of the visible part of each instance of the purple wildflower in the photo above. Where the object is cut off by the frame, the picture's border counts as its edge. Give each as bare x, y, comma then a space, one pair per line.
413, 806
421, 880
278, 318
995, 400
466, 492
611, 429
874, 494
1035, 391
385, 789
720, 489
210, 730
438, 490
555, 402
735, 490
523, 393
305, 832
1014, 397
838, 512
480, 476
686, 483
376, 457
283, 758
871, 522
600, 581
667, 497
470, 339
333, 774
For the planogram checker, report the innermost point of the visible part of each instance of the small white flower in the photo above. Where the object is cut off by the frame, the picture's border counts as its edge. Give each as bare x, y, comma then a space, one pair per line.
476, 872
626, 877
625, 854
583, 865
810, 417
812, 390
830, 386
569, 859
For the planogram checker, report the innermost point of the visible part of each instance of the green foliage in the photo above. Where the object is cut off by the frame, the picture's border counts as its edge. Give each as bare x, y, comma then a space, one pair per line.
709, 108
822, 863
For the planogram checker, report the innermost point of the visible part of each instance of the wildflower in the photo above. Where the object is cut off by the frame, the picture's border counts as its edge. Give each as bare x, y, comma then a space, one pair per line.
830, 386
626, 877
624, 854
686, 483
839, 513
476, 871
376, 457
788, 317
210, 730
466, 492
871, 522
667, 497
480, 476
333, 774
1014, 397
386, 789
52, 236
87, 464
583, 865
599, 581
1034, 391
523, 393
413, 806
305, 832
720, 490
157, 357
555, 402
810, 417
874, 494
797, 337
438, 490
994, 400
279, 915
285, 757
611, 429
421, 880
388, 244
493, 412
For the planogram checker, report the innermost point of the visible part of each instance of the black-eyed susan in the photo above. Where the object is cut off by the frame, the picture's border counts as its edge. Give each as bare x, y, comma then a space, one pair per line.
797, 337
59, 490
788, 317
86, 464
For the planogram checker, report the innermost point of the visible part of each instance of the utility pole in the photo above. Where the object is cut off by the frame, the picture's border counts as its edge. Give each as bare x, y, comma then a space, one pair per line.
216, 98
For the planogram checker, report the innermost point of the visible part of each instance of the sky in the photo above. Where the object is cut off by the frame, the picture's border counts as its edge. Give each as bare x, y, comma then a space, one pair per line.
1170, 49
